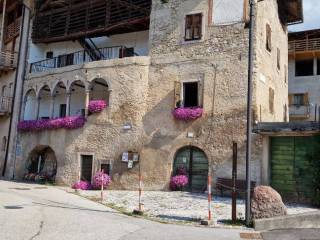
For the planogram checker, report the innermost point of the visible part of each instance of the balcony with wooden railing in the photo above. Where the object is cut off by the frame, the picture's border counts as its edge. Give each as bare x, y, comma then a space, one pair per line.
305, 46
8, 60
12, 30
5, 105
299, 112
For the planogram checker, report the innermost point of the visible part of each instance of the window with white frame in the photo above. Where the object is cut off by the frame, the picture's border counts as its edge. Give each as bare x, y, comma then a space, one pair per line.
188, 94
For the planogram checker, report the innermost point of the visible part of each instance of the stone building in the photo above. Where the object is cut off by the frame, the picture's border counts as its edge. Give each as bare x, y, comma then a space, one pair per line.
304, 74
174, 75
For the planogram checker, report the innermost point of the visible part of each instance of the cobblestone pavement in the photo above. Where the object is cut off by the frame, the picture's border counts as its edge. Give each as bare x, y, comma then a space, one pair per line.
179, 206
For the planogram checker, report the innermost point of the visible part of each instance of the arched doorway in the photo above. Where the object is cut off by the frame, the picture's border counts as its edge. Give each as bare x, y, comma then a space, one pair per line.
99, 90
41, 162
30, 105
194, 162
44, 102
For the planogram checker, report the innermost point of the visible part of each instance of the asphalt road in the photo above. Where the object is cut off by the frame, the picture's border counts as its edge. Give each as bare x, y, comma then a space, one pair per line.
292, 234
34, 212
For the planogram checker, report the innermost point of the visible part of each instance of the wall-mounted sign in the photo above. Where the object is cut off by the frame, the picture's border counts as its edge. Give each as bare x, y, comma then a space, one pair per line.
125, 157
135, 157
130, 164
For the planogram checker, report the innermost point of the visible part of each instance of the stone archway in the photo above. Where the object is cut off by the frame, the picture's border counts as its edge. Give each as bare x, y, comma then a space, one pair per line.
194, 163
41, 164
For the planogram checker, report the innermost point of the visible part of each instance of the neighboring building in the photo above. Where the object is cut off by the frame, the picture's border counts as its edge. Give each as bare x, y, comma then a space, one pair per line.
11, 15
304, 75
147, 59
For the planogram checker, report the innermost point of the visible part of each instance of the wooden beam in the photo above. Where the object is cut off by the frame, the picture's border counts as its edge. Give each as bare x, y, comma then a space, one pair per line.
131, 6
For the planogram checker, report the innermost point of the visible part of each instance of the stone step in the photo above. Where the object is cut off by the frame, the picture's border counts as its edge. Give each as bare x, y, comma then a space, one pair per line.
303, 220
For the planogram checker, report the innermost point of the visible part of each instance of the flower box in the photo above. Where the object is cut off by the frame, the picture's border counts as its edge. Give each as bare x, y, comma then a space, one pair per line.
187, 114
96, 106
73, 122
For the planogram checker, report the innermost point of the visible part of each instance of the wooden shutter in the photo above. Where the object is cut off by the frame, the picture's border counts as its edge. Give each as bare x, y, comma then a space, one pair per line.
306, 99
188, 27
177, 94
200, 93
197, 26
291, 96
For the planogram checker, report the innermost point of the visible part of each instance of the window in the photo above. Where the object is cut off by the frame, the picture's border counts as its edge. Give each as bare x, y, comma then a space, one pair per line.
4, 144
271, 100
63, 110
193, 27
105, 167
126, 52
299, 99
304, 67
318, 66
188, 94
49, 55
285, 73
86, 167
268, 38
278, 58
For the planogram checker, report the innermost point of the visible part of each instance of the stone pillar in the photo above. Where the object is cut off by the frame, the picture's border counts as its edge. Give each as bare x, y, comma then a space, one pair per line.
68, 103
37, 107
51, 114
87, 103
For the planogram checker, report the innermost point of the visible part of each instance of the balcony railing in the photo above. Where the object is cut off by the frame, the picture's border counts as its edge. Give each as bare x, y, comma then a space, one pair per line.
300, 111
304, 45
82, 57
5, 105
8, 60
13, 30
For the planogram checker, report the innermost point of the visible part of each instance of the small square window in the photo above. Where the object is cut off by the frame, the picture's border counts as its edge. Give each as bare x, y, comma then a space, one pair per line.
193, 27
49, 55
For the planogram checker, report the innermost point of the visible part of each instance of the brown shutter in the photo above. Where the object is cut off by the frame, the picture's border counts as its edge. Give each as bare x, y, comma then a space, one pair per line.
188, 27
290, 99
177, 94
306, 99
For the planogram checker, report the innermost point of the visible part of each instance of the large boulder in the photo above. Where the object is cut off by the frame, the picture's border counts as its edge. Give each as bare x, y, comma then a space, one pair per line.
266, 203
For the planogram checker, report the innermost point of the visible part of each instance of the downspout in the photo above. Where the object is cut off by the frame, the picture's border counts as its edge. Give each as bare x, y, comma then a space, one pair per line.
2, 23
20, 75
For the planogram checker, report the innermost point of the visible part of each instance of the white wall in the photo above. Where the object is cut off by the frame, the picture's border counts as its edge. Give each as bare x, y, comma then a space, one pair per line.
307, 84
77, 101
30, 107
60, 98
138, 40
44, 108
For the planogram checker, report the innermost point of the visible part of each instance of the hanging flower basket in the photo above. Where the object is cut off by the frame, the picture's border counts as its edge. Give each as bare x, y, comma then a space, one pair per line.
73, 122
96, 106
187, 114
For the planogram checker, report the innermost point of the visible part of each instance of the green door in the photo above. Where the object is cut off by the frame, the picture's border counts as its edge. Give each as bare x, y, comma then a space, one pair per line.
294, 167
195, 164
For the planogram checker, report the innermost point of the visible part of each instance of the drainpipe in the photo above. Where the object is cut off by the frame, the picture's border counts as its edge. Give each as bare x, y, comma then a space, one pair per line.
17, 94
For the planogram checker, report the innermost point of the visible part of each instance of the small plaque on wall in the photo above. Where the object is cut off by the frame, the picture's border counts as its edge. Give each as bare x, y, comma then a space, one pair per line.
135, 157
130, 164
125, 157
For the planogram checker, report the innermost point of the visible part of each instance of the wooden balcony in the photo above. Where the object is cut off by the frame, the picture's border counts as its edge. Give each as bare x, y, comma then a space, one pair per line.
8, 60
5, 105
304, 47
12, 30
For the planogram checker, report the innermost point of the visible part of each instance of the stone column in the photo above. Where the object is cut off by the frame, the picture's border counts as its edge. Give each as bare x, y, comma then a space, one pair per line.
37, 107
51, 114
87, 103
68, 103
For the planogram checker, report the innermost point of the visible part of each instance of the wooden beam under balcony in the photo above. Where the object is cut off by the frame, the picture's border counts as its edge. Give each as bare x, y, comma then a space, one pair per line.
8, 60
304, 48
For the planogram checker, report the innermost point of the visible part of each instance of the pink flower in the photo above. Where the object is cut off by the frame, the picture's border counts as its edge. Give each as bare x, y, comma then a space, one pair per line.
178, 182
82, 185
73, 122
96, 106
187, 114
101, 178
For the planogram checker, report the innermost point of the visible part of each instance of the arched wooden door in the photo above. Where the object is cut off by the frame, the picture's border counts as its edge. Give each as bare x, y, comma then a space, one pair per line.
194, 162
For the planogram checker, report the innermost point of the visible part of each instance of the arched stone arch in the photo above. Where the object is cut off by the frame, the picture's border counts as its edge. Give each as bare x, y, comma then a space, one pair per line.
77, 98
44, 101
4, 91
41, 162
30, 104
192, 161
59, 99
99, 89
77, 80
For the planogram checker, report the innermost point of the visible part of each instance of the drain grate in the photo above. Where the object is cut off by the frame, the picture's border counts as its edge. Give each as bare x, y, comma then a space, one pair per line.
21, 188
13, 207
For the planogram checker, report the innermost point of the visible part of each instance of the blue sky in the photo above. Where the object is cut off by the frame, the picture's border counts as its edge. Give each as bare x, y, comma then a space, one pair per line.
311, 9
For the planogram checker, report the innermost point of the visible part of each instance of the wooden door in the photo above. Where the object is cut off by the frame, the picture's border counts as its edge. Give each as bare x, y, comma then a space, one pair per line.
86, 167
